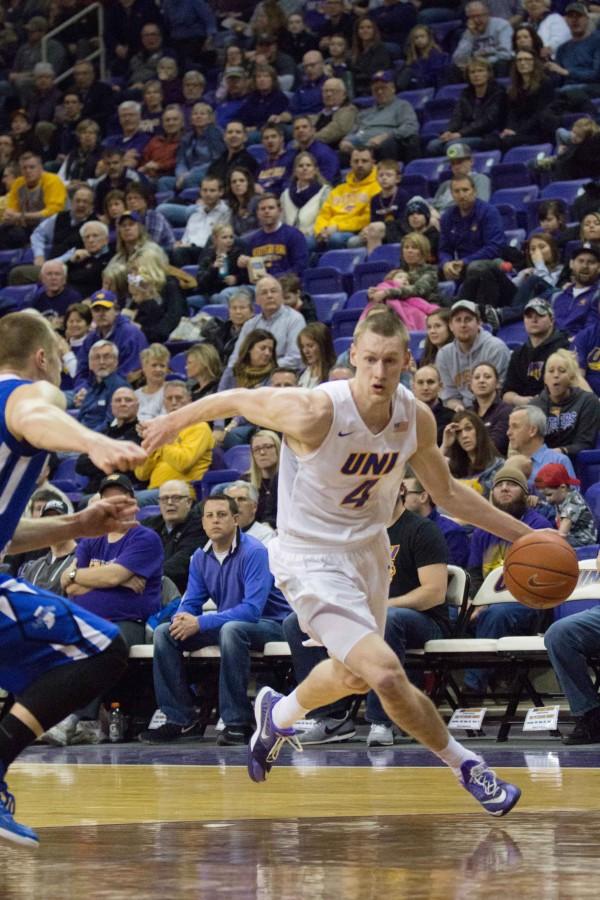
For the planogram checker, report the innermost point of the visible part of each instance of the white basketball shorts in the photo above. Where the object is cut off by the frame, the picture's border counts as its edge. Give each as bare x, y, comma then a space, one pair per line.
339, 597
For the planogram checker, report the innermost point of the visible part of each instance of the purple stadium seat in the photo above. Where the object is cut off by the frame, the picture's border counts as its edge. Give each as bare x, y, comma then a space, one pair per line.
484, 161
434, 127
258, 152
19, 294
340, 345
178, 364
218, 458
163, 196
322, 280
238, 457
509, 175
190, 195
428, 168
416, 185
213, 477
328, 304
364, 102
368, 274
515, 236
438, 108
218, 310
145, 512
592, 498
515, 331
387, 253
344, 323
516, 197
450, 91
564, 190
417, 98
524, 154
509, 215
589, 552
587, 468
343, 260
358, 300
416, 340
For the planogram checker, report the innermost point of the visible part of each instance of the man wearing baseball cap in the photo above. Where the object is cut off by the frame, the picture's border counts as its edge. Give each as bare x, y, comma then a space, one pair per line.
45, 571
460, 157
525, 375
471, 345
574, 518
110, 325
575, 306
577, 59
390, 127
509, 493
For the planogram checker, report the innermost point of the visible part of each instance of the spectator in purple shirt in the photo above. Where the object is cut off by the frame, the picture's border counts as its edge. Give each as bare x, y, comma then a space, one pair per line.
131, 137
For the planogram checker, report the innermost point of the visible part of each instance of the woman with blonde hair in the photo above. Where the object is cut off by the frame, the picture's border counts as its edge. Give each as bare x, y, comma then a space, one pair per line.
307, 191
155, 300
572, 410
155, 366
203, 368
265, 449
423, 280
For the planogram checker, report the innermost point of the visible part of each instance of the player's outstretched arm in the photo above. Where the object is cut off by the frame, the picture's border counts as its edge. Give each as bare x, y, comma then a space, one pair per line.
110, 514
35, 413
457, 499
303, 415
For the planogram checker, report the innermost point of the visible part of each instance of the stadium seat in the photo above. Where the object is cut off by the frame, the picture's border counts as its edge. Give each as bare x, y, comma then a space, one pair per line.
190, 195
322, 280
517, 196
485, 160
515, 236
163, 196
65, 474
364, 102
509, 215
218, 458
525, 154
415, 185
416, 340
433, 128
19, 295
447, 289
178, 364
438, 108
258, 152
368, 274
564, 190
358, 300
343, 260
509, 175
446, 34
344, 322
238, 457
387, 253
428, 168
450, 91
587, 468
327, 304
417, 98
218, 310
341, 344
213, 477
590, 551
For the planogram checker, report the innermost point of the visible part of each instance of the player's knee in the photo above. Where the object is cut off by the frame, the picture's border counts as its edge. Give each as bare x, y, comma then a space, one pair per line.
355, 684
388, 680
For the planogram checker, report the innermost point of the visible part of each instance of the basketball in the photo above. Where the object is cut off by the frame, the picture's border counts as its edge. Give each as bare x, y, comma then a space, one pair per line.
541, 570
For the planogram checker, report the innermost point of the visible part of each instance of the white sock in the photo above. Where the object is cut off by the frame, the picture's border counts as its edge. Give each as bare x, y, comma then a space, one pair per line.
454, 755
287, 711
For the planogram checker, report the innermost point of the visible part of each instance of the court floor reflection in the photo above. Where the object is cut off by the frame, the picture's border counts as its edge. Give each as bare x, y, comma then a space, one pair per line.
426, 857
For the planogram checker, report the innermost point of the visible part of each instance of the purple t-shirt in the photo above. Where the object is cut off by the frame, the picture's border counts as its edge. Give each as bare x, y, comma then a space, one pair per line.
140, 550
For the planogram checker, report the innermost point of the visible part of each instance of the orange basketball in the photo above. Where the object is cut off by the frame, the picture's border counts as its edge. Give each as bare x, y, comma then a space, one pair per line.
541, 570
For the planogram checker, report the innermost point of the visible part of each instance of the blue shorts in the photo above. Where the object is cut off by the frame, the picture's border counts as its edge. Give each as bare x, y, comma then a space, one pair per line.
40, 630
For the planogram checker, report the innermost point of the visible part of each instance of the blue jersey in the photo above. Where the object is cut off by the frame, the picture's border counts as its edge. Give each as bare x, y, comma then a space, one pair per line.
20, 465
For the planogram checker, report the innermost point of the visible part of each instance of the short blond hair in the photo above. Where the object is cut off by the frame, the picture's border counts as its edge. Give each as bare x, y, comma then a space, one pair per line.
385, 324
569, 361
21, 335
155, 351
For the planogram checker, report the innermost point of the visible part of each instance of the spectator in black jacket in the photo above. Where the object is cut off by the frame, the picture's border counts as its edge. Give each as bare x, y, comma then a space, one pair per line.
525, 375
97, 97
369, 55
124, 407
155, 298
217, 266
480, 111
179, 527
530, 93
86, 265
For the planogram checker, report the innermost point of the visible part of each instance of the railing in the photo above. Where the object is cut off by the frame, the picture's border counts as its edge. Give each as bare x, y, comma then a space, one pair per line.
100, 53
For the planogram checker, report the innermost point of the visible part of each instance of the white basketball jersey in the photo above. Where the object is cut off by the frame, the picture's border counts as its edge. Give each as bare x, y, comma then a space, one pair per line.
346, 490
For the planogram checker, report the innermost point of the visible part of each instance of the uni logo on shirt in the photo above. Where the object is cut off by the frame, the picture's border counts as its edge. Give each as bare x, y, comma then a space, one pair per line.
369, 463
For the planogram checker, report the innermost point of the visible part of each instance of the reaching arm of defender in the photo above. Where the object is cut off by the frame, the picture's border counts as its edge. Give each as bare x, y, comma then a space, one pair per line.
110, 514
35, 414
304, 417
457, 499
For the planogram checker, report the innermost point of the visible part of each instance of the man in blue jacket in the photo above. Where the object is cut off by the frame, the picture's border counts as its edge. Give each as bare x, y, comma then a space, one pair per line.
470, 230
233, 571
109, 325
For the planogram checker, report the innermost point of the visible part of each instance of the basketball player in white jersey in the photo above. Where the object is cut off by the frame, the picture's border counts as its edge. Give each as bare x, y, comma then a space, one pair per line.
346, 445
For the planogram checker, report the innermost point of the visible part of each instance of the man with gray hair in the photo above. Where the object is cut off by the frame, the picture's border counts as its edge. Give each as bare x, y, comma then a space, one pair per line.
94, 400
45, 96
338, 115
526, 432
131, 137
53, 295
179, 526
246, 497
86, 265
123, 426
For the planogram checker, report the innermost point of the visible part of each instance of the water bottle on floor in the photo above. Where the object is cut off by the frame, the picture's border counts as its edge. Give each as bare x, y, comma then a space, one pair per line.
116, 724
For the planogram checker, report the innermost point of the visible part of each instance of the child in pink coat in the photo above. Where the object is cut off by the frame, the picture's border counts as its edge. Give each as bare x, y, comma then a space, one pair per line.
412, 310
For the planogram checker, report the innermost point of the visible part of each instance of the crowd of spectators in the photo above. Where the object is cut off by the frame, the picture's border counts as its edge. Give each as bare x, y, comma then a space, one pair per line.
163, 218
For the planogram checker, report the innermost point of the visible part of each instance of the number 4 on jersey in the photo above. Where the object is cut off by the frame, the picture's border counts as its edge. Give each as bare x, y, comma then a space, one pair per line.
360, 494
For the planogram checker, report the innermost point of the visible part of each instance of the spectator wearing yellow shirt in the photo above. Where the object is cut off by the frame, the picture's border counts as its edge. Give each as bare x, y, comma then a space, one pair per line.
34, 195
347, 209
186, 458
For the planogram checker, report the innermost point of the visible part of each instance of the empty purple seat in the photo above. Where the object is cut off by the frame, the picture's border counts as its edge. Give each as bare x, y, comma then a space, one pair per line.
416, 185
358, 300
258, 152
438, 108
322, 280
485, 160
416, 341
368, 274
344, 322
516, 197
450, 91
509, 215
178, 363
428, 168
387, 253
328, 304
524, 154
564, 190
508, 175
190, 195
434, 127
217, 310
341, 344
515, 236
417, 98
515, 331
343, 260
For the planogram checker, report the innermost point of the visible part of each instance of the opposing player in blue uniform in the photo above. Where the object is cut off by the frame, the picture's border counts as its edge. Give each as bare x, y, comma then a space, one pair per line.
54, 656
